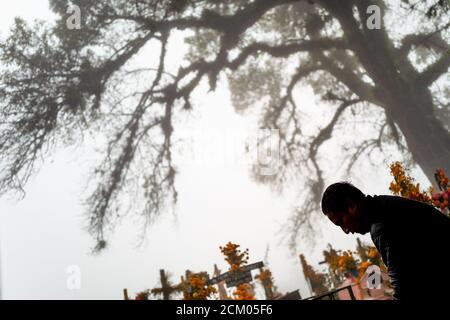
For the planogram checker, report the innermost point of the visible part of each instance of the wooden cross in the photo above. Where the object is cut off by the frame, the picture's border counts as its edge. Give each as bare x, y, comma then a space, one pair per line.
267, 285
166, 289
185, 284
222, 291
233, 279
125, 294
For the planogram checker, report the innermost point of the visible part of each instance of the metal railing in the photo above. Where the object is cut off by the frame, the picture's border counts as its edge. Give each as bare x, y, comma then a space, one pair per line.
330, 295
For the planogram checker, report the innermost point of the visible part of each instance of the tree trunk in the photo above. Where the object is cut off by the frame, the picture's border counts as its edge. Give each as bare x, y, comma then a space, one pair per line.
426, 137
405, 100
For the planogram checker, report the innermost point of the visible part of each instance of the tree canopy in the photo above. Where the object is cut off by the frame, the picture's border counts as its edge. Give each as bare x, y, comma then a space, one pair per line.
60, 83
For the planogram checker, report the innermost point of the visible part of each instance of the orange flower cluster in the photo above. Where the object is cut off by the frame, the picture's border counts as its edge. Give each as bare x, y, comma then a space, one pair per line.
244, 292
346, 262
331, 257
265, 276
197, 288
144, 295
441, 199
362, 267
373, 253
405, 186
441, 179
237, 259
234, 256
374, 258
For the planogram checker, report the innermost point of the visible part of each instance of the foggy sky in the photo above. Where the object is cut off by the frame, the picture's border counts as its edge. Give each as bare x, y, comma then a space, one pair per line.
42, 235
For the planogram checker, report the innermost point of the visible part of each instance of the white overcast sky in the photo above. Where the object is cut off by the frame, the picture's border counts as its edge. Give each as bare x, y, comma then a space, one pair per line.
42, 235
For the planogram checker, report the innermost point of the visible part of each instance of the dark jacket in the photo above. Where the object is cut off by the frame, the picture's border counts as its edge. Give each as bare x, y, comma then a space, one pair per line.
413, 239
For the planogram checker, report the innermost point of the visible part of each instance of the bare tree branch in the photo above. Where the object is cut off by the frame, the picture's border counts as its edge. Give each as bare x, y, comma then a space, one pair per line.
353, 82
326, 132
432, 40
434, 71
285, 50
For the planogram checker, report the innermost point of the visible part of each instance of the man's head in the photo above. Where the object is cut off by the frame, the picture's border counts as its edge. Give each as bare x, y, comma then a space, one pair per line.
342, 203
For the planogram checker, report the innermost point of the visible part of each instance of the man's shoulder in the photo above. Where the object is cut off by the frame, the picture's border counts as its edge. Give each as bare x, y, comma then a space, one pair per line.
377, 201
394, 203
395, 214
390, 199
392, 213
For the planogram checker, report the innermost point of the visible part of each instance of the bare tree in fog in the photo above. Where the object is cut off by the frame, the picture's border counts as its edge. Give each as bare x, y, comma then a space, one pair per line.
58, 84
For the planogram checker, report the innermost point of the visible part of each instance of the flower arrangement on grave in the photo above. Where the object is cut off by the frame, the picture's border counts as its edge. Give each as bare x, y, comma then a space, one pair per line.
196, 287
265, 277
373, 258
368, 255
244, 291
347, 263
238, 259
331, 257
441, 198
404, 185
234, 256
143, 295
343, 264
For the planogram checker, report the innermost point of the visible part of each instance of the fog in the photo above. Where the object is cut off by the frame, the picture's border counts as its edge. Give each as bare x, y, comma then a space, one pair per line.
44, 234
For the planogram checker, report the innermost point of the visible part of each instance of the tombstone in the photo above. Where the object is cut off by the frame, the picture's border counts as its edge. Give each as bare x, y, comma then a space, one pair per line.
294, 295
357, 292
234, 279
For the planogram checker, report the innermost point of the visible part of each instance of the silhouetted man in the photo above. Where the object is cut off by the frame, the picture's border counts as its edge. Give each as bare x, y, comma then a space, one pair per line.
412, 237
